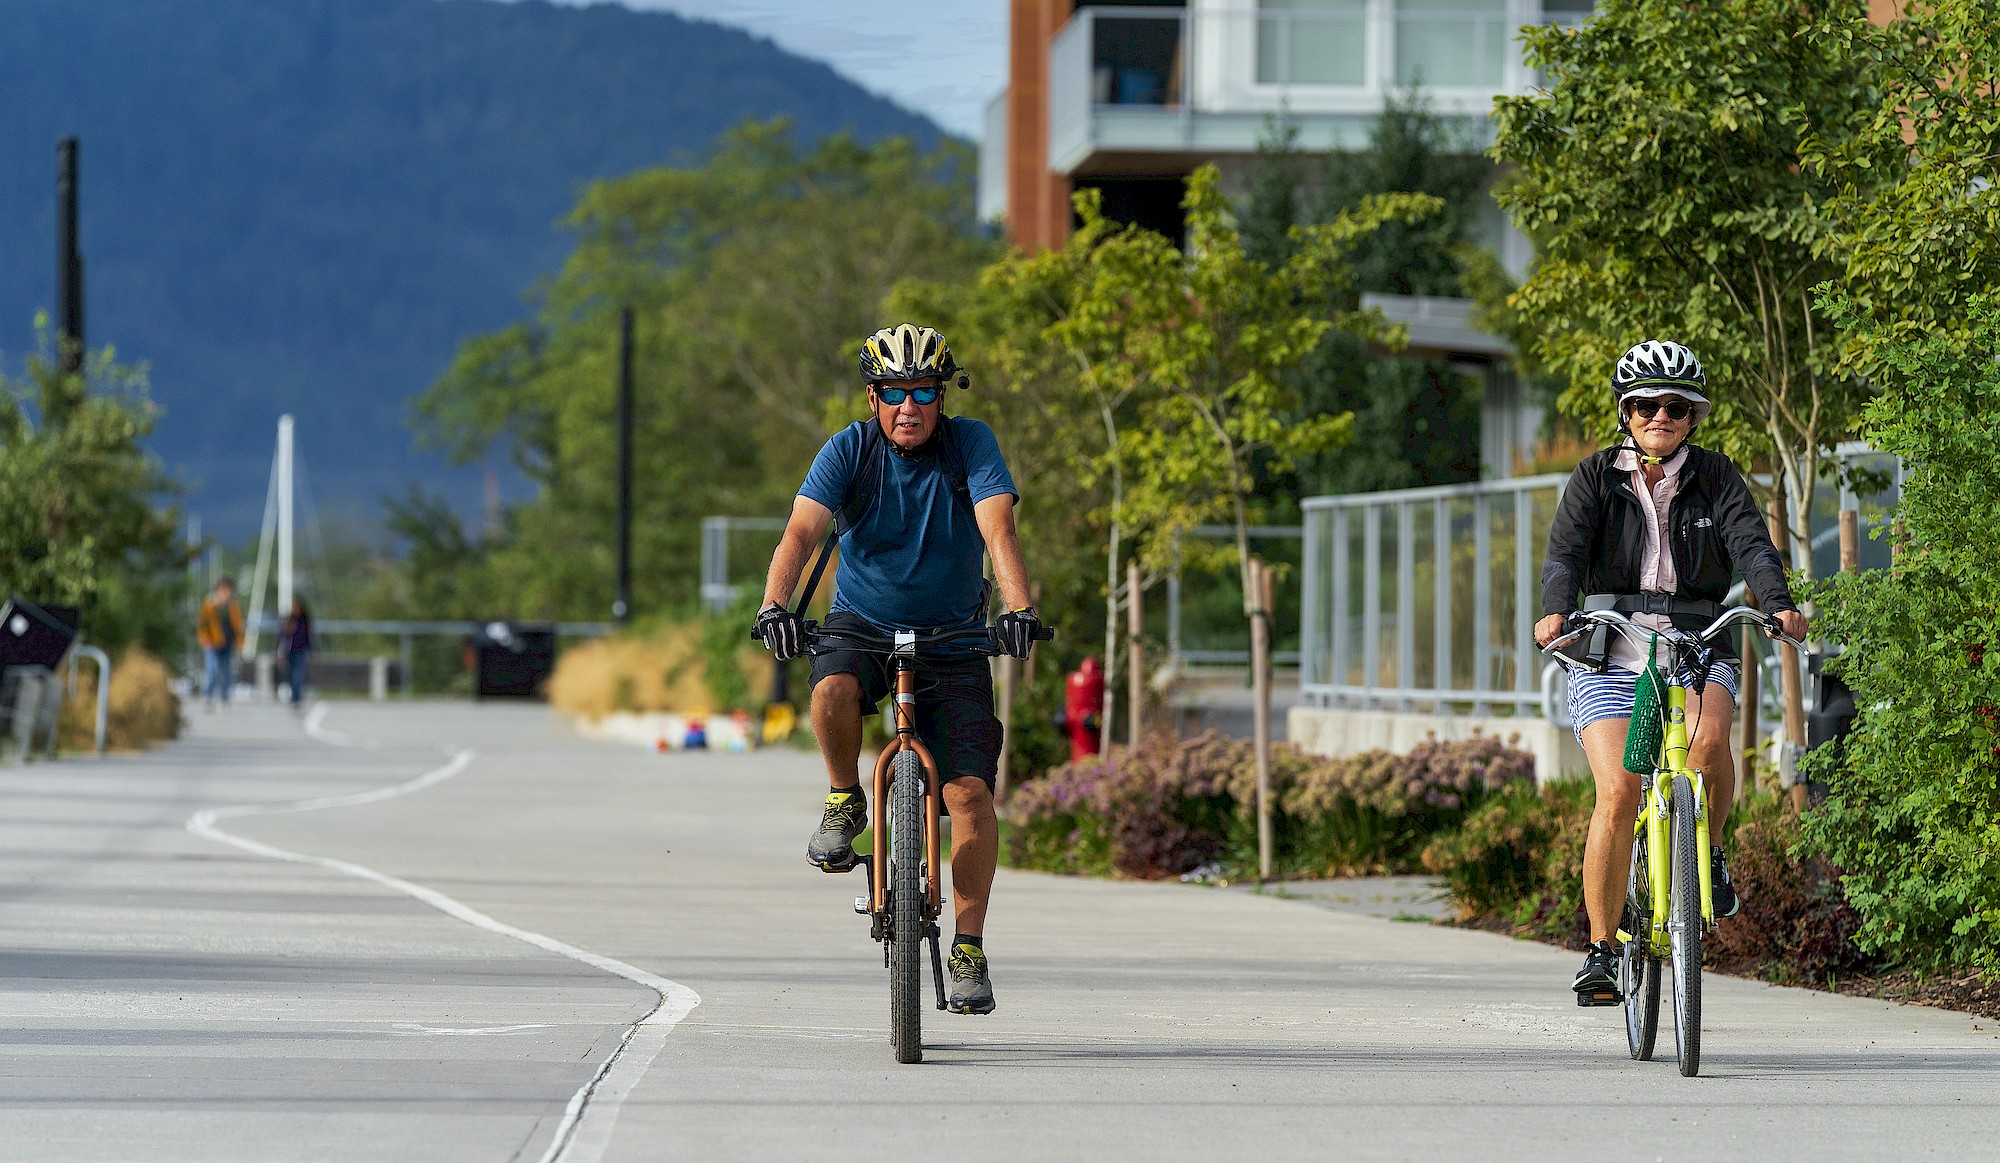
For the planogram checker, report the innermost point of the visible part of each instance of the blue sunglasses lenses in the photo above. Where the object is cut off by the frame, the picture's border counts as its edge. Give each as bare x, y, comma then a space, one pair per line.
894, 396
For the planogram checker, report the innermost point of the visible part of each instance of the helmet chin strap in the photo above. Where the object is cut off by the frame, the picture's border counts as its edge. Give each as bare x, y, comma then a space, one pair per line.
1644, 458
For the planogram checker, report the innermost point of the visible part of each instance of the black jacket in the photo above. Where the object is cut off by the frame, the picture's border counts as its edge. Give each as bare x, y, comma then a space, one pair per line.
1597, 544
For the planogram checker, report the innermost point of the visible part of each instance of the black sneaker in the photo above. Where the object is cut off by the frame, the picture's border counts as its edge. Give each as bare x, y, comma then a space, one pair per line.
1721, 893
1596, 983
971, 989
845, 817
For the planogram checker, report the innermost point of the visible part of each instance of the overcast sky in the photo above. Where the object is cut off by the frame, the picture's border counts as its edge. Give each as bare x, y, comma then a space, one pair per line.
942, 58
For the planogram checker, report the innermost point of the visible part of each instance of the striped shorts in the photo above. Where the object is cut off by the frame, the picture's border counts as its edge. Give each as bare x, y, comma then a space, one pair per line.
1610, 695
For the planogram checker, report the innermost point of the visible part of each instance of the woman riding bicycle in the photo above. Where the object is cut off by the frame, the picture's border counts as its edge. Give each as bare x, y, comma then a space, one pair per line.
1655, 528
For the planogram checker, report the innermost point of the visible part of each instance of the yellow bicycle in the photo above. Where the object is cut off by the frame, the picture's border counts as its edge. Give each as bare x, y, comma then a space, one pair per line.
1668, 904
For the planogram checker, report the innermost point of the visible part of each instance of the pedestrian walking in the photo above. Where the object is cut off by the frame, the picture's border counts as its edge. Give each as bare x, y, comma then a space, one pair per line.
218, 629
297, 641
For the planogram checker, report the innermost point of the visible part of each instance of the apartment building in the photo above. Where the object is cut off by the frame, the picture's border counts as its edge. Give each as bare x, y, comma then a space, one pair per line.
1129, 98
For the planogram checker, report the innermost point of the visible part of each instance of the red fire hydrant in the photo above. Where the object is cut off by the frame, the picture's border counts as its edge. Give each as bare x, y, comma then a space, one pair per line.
1083, 706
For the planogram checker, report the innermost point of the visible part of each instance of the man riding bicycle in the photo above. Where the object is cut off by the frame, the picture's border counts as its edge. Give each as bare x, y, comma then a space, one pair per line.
1655, 528
921, 496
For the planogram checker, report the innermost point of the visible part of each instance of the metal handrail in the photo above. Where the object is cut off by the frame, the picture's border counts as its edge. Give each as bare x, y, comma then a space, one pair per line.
103, 661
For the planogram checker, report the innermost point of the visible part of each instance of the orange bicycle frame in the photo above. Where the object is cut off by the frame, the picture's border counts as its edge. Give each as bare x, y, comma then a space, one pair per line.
906, 740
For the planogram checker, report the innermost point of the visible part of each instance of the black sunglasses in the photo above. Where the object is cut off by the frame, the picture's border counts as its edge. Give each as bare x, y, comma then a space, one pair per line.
1647, 409
894, 396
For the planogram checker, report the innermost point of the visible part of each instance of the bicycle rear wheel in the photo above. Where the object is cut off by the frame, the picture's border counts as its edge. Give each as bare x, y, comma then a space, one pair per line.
906, 906
1639, 970
1684, 926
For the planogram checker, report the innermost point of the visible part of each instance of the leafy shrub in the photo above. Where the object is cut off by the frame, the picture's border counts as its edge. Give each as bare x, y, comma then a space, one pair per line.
1374, 812
1169, 806
1913, 819
662, 666
1157, 810
1796, 925
1518, 860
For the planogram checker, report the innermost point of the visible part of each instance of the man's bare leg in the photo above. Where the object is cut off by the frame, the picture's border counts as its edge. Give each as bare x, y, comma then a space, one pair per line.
975, 850
836, 722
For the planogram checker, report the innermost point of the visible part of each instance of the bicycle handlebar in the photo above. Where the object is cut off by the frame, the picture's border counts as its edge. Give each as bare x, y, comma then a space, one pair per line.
976, 639
1624, 625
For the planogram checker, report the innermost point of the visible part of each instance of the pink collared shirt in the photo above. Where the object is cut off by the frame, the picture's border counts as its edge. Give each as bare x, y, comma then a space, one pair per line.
1656, 564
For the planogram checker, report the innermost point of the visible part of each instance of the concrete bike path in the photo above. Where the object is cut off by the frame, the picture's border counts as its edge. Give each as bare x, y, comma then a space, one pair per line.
168, 997
1136, 1021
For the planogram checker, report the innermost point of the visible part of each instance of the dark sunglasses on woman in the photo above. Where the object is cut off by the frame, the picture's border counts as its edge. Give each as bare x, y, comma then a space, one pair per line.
894, 396
1647, 409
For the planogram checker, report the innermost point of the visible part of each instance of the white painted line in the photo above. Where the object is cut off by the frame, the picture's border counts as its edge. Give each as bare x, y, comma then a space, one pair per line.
574, 1141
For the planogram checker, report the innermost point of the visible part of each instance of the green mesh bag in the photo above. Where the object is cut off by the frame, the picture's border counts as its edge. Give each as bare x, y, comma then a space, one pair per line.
1642, 741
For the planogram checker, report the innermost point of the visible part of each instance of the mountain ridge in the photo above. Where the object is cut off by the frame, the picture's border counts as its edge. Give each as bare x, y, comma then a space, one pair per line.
304, 205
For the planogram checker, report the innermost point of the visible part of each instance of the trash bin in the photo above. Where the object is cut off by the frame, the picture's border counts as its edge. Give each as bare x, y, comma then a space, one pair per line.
511, 660
1829, 721
33, 639
35, 635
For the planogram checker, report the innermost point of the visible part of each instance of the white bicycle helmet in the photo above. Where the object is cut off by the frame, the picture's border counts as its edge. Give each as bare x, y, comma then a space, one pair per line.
1660, 367
909, 352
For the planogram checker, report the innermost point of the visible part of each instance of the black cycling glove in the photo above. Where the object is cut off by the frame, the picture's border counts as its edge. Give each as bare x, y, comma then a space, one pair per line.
1014, 632
783, 632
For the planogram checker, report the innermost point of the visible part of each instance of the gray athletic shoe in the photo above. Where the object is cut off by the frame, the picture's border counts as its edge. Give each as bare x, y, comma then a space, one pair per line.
845, 817
971, 989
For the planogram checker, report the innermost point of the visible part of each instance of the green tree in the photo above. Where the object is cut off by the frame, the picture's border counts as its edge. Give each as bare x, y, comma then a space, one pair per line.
1201, 343
1914, 176
1415, 421
1913, 820
84, 518
753, 275
1661, 171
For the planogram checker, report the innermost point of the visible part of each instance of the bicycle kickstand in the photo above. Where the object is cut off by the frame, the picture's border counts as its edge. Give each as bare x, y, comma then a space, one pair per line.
937, 962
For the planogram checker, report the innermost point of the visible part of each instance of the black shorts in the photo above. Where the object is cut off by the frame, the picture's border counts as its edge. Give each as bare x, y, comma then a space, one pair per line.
955, 716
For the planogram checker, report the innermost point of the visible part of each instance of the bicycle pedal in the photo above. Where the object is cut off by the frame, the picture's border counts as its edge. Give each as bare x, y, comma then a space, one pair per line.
1599, 997
829, 866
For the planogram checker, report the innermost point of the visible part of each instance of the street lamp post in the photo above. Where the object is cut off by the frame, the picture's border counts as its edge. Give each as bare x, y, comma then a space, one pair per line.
621, 608
69, 263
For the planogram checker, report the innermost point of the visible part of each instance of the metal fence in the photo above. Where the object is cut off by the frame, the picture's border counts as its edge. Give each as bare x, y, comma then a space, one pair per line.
717, 591
1209, 633
1426, 598
406, 632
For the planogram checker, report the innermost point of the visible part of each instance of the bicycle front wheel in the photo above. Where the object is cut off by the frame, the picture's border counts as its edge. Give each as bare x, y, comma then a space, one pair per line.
1684, 926
906, 906
1639, 970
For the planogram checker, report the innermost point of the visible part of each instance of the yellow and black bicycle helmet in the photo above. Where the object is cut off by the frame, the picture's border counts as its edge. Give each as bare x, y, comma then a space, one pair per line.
909, 352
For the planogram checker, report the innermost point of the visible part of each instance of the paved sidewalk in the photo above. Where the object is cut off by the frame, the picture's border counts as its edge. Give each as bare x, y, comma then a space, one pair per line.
1136, 1021
172, 999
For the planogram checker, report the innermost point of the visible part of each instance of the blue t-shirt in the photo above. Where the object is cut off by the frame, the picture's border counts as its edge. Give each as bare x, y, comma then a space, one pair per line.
913, 561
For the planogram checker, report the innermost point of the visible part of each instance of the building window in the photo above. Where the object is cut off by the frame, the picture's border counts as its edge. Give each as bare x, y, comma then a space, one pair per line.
1312, 42
1452, 43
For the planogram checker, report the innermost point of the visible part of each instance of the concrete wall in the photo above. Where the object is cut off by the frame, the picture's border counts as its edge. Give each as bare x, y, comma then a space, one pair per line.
1332, 732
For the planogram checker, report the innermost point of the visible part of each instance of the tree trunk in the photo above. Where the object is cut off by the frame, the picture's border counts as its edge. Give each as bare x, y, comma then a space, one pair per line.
1793, 680
1135, 668
1260, 680
1105, 715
